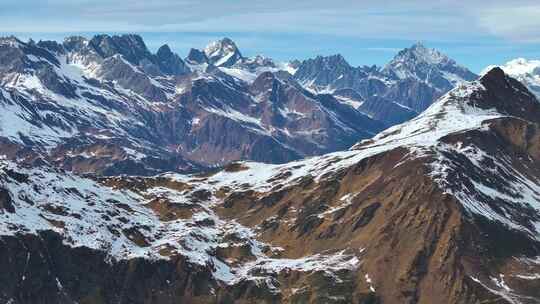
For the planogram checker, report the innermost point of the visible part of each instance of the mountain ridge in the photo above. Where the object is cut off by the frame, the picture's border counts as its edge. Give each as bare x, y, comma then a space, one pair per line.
171, 113
92, 90
443, 208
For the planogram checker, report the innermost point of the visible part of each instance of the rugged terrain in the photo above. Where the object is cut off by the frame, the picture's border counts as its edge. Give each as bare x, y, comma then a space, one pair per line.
526, 71
400, 90
107, 105
444, 208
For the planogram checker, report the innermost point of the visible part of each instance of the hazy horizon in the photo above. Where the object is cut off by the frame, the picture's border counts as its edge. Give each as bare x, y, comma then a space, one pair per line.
365, 33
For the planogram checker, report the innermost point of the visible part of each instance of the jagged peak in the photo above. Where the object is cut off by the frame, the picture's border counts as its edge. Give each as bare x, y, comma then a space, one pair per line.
224, 43
75, 42
124, 40
51, 45
196, 56
335, 57
419, 52
75, 38
223, 52
330, 62
419, 45
466, 107
132, 46
450, 114
133, 38
427, 65
498, 79
494, 74
11, 41
260, 59
164, 50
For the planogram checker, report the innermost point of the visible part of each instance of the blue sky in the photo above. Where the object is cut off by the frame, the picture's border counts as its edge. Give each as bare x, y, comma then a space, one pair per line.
366, 32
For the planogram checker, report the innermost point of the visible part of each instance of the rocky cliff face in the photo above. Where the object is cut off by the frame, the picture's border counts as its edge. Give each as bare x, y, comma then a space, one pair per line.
108, 105
442, 209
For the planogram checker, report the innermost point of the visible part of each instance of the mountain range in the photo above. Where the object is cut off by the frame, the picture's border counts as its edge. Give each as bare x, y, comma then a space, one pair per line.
444, 208
132, 176
108, 105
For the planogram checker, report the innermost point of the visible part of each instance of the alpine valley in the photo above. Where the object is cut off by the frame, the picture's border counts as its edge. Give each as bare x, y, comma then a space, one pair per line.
133, 177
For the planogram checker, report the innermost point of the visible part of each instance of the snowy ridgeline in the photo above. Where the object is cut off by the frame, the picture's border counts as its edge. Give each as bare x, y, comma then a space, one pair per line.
89, 214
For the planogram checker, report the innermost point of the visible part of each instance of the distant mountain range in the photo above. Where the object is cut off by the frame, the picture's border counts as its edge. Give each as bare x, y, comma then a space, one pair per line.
108, 105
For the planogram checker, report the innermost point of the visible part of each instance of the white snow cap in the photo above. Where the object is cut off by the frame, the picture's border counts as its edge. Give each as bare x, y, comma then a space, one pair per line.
221, 51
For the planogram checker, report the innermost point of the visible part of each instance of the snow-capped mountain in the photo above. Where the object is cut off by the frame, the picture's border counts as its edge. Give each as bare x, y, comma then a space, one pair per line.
327, 74
403, 88
429, 66
444, 208
108, 105
526, 71
225, 55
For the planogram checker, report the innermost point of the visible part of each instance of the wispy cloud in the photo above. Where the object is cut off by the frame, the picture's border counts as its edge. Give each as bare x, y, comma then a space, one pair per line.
517, 23
300, 28
413, 19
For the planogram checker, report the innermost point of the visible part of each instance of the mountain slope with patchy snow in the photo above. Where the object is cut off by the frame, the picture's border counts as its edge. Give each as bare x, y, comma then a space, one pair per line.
107, 105
444, 208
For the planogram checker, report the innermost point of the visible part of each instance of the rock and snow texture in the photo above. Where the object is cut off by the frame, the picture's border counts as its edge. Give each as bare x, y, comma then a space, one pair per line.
400, 90
429, 66
83, 103
526, 71
127, 224
326, 227
223, 53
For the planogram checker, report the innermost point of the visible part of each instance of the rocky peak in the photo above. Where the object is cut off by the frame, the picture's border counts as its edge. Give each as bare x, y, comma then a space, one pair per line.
196, 56
429, 66
509, 96
333, 65
75, 43
164, 51
132, 47
325, 73
169, 62
259, 61
15, 57
223, 52
11, 55
51, 46
10, 41
524, 70
330, 62
466, 107
419, 53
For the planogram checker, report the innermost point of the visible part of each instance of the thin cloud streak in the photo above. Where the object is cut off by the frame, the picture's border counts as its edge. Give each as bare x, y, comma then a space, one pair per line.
366, 32
415, 19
